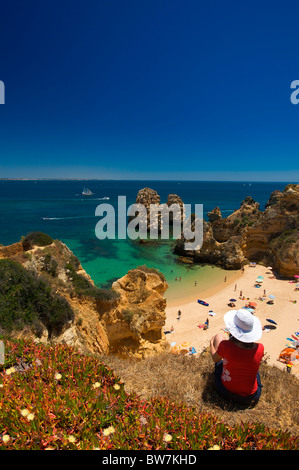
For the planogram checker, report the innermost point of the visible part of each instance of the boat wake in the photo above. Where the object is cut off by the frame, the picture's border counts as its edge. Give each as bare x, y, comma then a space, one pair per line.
68, 218
93, 198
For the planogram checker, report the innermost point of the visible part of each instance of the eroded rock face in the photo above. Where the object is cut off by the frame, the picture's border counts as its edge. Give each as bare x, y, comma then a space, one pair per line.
274, 237
215, 214
137, 321
128, 323
164, 212
234, 224
11, 250
228, 254
248, 234
147, 197
274, 198
131, 325
179, 216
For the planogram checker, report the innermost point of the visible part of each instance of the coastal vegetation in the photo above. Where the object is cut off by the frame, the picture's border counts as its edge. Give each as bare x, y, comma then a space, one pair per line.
190, 380
54, 398
83, 287
145, 269
36, 239
28, 301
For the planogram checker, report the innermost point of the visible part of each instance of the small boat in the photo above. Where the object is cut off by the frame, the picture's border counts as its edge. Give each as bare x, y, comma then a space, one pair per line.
202, 302
87, 192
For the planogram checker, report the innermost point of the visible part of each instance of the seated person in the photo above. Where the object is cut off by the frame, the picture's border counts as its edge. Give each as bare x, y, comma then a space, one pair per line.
237, 360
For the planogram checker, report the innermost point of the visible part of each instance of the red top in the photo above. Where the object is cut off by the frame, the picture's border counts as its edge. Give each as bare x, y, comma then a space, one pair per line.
240, 367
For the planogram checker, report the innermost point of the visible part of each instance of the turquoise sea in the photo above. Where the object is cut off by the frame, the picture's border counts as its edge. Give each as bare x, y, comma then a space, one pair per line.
58, 208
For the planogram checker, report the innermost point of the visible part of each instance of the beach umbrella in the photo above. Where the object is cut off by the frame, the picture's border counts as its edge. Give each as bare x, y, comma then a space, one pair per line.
176, 348
252, 304
233, 300
251, 310
296, 276
272, 296
260, 277
185, 345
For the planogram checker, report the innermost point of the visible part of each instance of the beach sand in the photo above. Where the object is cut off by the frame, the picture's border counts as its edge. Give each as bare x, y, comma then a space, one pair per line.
284, 312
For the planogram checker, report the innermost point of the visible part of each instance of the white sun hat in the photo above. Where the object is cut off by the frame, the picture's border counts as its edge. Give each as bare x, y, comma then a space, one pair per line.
243, 325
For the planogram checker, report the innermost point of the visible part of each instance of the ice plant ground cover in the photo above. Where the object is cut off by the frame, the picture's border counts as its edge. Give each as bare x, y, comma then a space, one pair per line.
53, 397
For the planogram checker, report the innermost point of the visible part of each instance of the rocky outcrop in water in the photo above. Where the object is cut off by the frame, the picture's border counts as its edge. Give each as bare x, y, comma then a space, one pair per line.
248, 234
148, 196
228, 254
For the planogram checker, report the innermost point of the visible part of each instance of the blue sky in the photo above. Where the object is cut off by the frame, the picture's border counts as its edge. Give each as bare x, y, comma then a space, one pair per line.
158, 89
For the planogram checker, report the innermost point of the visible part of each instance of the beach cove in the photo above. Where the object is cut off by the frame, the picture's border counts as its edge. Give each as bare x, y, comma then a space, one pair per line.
283, 311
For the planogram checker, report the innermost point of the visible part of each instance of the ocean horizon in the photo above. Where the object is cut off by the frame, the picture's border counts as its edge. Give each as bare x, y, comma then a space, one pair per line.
58, 208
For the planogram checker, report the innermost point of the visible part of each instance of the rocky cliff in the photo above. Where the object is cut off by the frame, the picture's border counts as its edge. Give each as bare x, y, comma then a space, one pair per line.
267, 236
127, 319
274, 237
149, 197
136, 324
248, 234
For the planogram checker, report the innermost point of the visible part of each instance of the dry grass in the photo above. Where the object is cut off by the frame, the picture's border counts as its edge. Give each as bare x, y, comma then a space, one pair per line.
190, 380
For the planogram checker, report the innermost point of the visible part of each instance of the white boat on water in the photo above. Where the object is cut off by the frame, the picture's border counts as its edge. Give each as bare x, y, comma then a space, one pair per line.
87, 192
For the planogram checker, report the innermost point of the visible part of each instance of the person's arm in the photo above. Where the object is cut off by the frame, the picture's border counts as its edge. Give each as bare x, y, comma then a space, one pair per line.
214, 343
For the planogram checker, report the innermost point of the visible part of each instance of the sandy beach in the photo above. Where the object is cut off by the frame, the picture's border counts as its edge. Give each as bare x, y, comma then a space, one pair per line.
284, 312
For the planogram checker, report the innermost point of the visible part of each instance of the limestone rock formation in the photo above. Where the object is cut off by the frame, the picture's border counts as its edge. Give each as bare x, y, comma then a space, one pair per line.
215, 214
274, 237
11, 250
234, 224
136, 324
126, 320
274, 198
228, 254
249, 234
147, 197
175, 199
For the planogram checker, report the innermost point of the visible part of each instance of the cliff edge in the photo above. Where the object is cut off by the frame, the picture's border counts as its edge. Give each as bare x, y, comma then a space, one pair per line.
59, 302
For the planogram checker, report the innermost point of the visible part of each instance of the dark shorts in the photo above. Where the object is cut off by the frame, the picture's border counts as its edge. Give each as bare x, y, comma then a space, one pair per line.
246, 400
